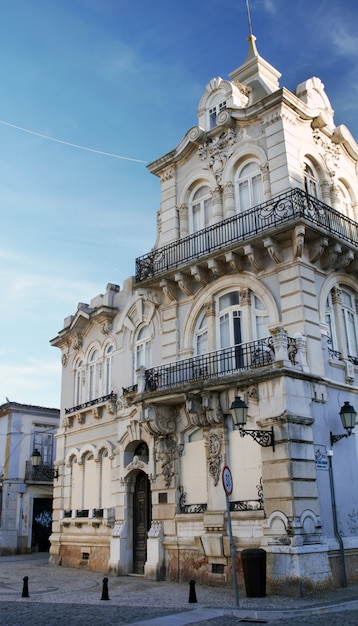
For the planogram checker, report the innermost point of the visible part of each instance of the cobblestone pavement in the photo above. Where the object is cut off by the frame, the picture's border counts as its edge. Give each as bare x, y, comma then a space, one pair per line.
65, 596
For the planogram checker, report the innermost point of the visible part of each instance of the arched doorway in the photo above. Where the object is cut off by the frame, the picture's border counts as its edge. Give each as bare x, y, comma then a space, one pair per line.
142, 517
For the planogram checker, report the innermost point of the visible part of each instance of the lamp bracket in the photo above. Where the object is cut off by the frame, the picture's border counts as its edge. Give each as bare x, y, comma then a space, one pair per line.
264, 438
335, 438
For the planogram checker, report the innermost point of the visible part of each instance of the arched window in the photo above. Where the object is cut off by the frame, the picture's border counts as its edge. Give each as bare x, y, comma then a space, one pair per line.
249, 186
341, 313
93, 375
78, 399
107, 381
201, 208
201, 335
344, 200
216, 105
241, 318
350, 322
311, 181
143, 348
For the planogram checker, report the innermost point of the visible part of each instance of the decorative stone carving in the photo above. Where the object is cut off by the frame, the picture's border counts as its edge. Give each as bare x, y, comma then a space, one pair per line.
135, 464
119, 529
77, 341
344, 260
106, 328
298, 241
160, 420
317, 249
64, 359
213, 443
253, 257
245, 297
235, 261
216, 267
97, 412
200, 274
217, 151
166, 452
80, 418
184, 283
203, 409
170, 288
273, 249
329, 257
156, 530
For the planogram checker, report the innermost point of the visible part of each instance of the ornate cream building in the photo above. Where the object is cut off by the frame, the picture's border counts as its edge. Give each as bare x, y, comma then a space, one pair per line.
250, 291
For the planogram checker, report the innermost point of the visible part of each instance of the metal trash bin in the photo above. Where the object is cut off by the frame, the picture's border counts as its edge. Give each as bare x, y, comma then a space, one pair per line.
254, 568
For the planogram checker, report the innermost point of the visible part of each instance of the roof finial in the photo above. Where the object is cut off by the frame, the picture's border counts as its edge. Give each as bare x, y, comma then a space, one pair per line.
249, 16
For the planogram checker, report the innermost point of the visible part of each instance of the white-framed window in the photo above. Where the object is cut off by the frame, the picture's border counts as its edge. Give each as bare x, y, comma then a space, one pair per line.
249, 186
229, 322
78, 398
350, 322
93, 373
310, 181
341, 313
201, 335
107, 367
143, 348
44, 443
201, 208
344, 200
214, 111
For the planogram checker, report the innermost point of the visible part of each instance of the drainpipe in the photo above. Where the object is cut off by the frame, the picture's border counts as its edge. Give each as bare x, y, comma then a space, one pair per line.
335, 520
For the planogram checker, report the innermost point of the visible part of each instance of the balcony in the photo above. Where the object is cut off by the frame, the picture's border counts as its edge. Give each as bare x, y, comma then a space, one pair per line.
270, 218
111, 397
43, 473
213, 365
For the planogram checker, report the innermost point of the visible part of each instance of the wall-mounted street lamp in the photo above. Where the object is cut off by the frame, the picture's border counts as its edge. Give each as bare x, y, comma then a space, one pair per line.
40, 468
264, 438
348, 417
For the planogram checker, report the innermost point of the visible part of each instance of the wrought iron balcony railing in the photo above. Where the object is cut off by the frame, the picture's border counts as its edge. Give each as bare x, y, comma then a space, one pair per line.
288, 208
43, 473
111, 397
245, 356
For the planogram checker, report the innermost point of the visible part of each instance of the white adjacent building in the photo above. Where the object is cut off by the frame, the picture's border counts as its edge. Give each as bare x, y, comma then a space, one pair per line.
250, 291
26, 490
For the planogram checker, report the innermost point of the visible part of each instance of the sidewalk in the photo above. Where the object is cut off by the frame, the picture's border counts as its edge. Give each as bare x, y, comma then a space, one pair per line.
67, 595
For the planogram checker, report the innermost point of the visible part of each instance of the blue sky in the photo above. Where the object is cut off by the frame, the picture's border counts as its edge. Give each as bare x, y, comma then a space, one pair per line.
122, 77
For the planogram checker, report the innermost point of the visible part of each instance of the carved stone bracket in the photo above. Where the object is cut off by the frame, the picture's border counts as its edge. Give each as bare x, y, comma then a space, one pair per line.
253, 257
216, 267
344, 260
169, 288
160, 420
317, 249
203, 409
184, 283
273, 249
298, 241
235, 261
199, 274
329, 258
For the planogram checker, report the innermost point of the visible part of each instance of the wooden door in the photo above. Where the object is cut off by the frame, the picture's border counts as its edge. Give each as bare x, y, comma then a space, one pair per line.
141, 522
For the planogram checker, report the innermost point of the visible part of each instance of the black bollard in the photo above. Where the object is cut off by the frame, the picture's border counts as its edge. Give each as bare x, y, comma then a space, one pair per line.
192, 592
25, 588
105, 589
